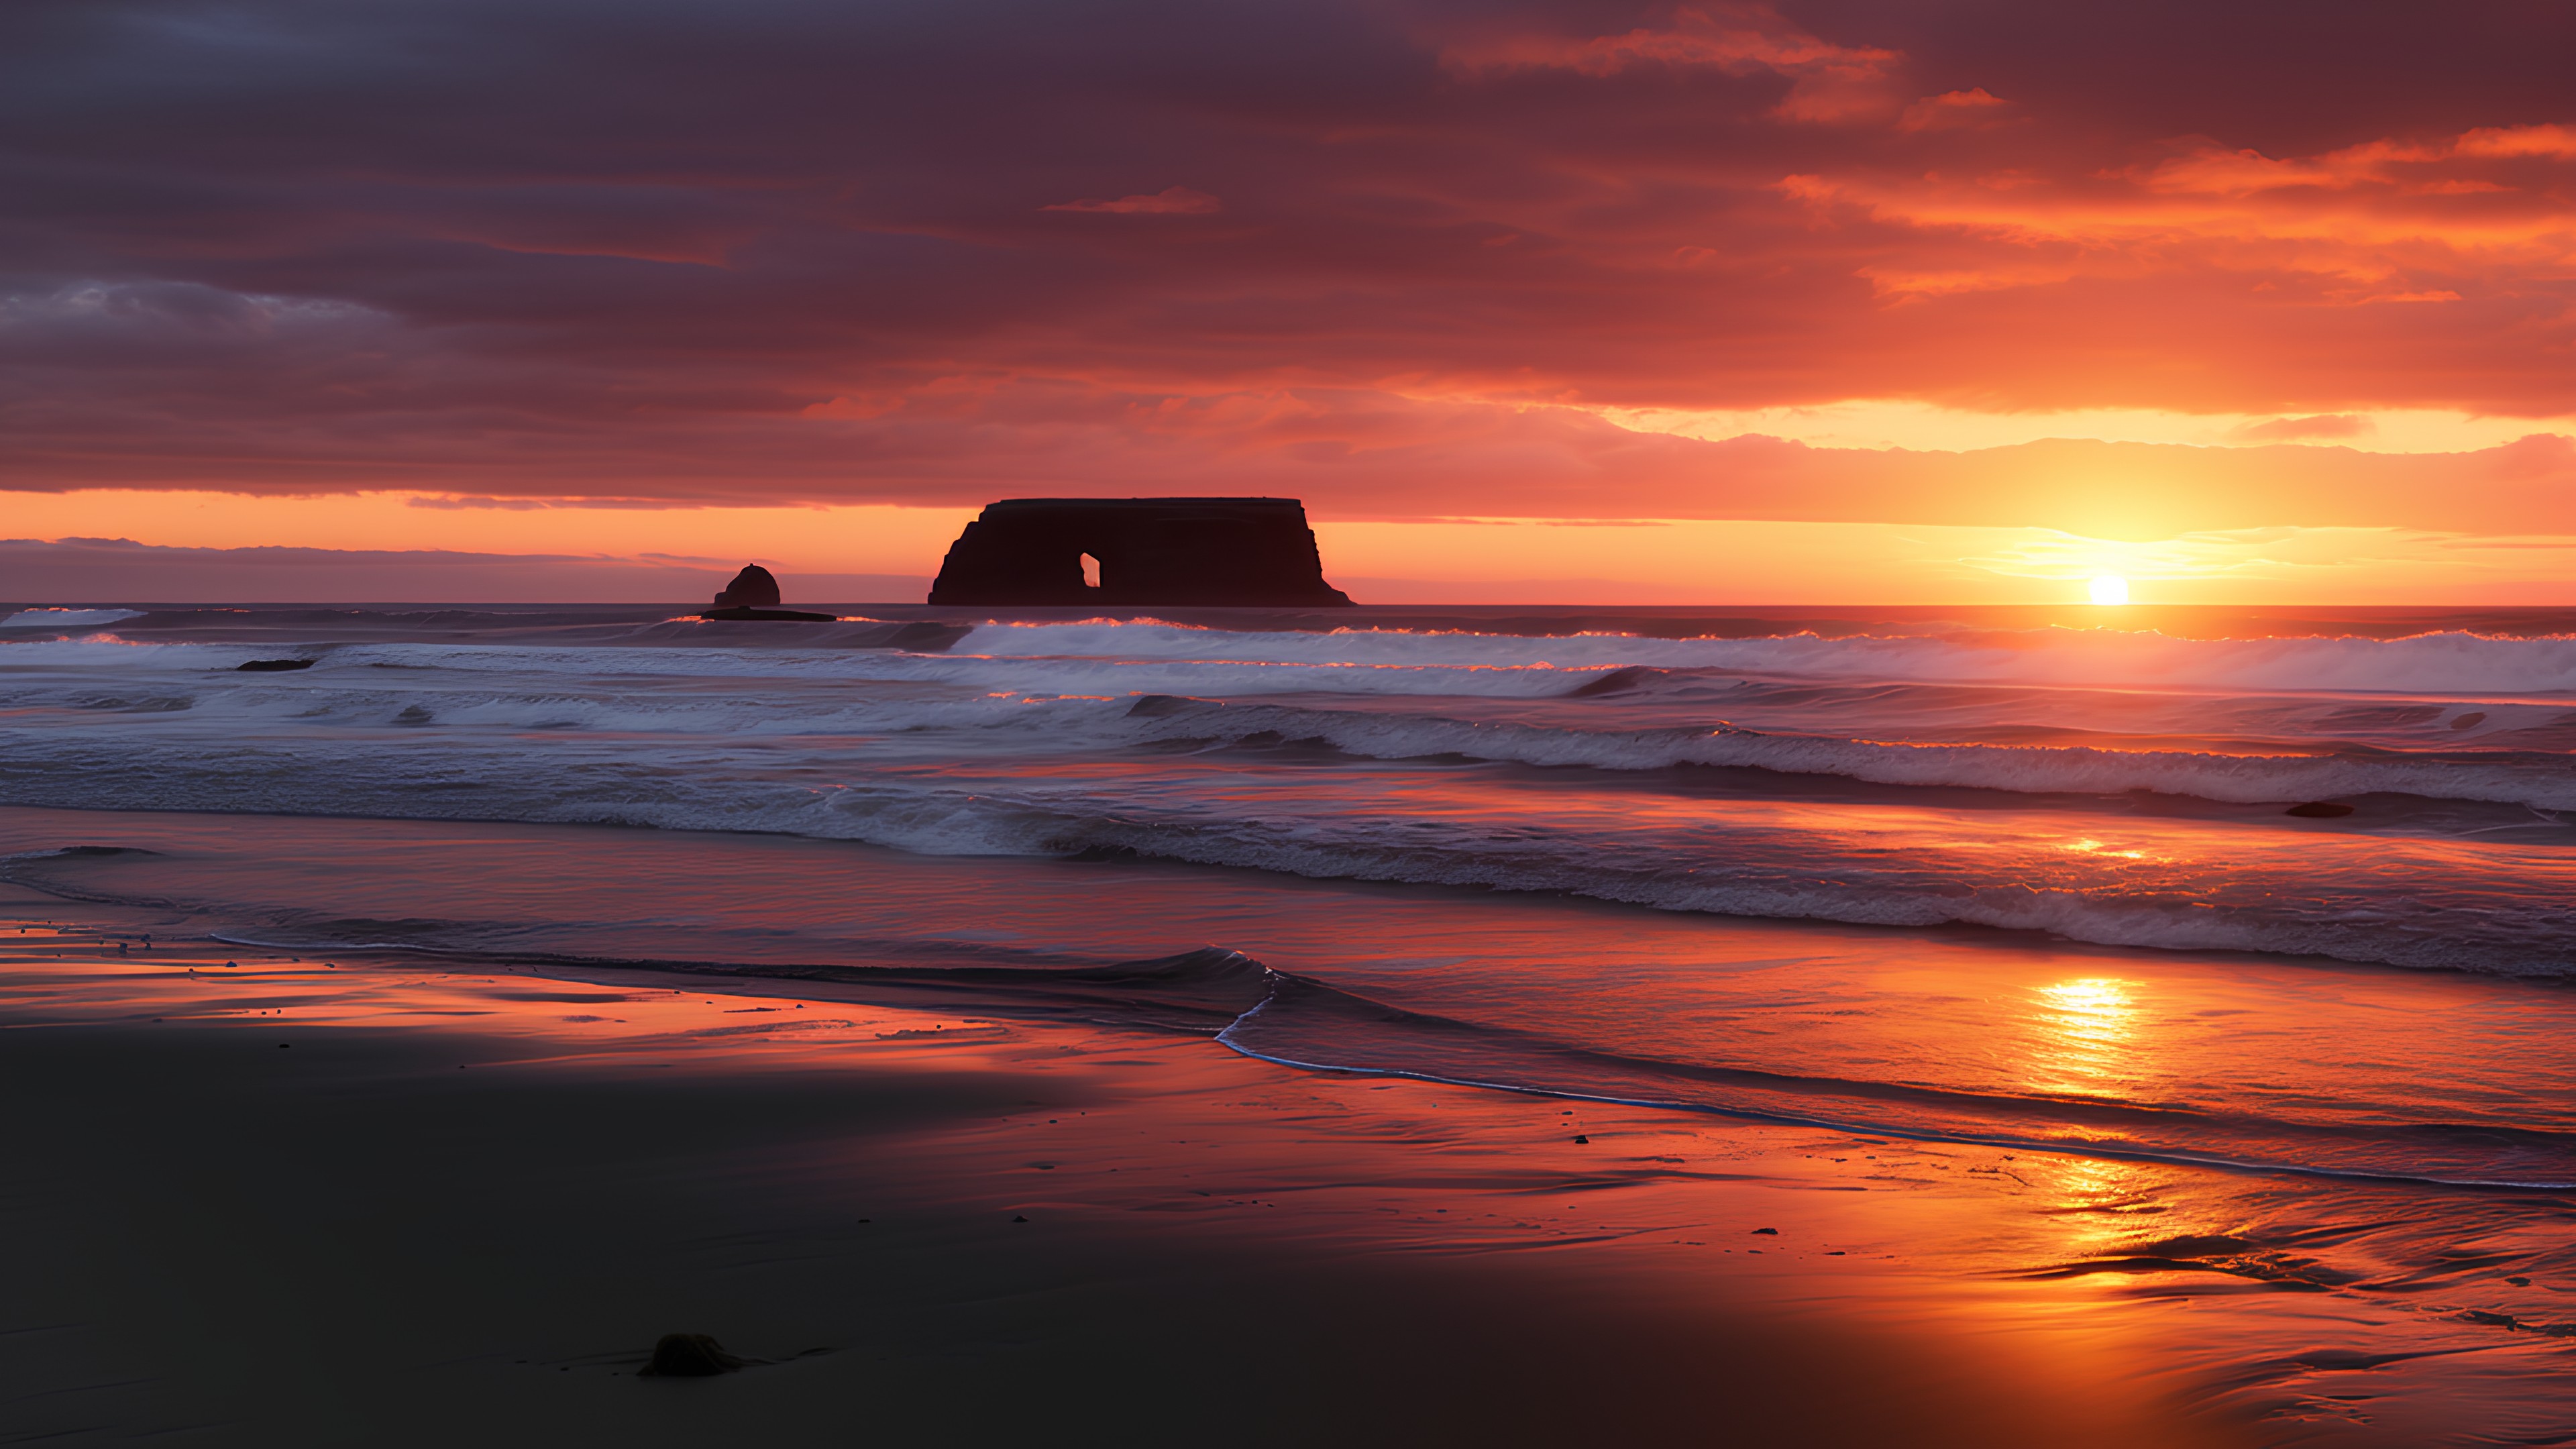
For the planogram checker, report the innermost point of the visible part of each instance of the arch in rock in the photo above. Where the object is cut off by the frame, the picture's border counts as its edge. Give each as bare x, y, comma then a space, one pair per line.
1208, 551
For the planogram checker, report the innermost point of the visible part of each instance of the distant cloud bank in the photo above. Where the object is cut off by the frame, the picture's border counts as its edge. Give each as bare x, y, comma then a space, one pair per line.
120, 572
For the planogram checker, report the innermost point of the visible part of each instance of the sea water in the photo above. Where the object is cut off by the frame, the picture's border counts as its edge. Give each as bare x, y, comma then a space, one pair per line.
2010, 878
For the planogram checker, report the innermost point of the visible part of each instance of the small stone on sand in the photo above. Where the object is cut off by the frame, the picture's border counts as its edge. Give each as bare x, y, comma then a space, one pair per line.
690, 1355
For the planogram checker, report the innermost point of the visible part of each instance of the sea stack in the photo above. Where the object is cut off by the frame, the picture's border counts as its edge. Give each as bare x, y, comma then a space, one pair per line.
1243, 552
754, 588
753, 596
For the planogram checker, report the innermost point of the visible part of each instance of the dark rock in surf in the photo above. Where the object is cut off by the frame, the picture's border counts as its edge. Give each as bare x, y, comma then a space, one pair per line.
272, 666
1617, 681
752, 597
1159, 706
690, 1356
1224, 552
2319, 810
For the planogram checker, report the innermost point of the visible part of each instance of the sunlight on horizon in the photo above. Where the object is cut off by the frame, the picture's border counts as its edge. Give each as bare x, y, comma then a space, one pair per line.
2109, 590
569, 548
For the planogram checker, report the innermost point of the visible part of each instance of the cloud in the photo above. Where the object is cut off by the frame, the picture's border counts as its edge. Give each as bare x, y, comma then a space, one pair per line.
2416, 167
2555, 142
1952, 109
1828, 82
2291, 430
1365, 453
1170, 201
117, 570
773, 248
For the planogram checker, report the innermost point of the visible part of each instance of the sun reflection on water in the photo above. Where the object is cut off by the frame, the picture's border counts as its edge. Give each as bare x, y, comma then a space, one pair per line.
2089, 846
2086, 1032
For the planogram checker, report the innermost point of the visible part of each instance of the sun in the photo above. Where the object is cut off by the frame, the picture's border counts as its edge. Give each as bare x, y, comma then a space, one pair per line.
2110, 589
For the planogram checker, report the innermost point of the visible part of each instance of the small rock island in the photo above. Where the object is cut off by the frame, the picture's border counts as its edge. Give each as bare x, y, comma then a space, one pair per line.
1244, 552
753, 597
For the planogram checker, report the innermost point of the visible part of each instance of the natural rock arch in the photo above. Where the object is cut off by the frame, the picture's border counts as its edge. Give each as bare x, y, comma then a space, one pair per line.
1028, 552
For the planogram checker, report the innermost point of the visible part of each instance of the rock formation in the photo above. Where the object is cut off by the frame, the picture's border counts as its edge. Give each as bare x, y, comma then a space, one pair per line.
754, 588
753, 595
1208, 551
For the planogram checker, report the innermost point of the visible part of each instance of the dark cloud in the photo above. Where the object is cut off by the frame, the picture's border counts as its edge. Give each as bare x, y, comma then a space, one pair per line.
925, 250
120, 572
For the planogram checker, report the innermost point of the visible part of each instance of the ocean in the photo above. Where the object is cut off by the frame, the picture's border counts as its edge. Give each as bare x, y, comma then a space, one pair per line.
2029, 879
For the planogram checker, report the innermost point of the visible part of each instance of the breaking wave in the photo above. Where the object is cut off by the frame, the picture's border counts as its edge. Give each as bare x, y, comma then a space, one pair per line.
2447, 662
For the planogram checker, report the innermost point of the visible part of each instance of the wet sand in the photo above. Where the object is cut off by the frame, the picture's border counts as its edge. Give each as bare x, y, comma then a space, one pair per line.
383, 1202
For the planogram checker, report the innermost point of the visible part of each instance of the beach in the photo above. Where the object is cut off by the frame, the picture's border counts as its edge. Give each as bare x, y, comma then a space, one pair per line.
391, 1202
1783, 725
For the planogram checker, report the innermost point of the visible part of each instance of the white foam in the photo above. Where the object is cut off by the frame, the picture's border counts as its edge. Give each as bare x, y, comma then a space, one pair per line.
67, 618
2239, 779
2445, 662
1043, 750
1104, 657
937, 706
2179, 885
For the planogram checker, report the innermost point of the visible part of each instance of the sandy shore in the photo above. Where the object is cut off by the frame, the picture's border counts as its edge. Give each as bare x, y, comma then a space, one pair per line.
284, 1202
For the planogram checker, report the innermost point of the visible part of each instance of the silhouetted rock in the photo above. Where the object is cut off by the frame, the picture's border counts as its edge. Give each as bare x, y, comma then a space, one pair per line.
691, 1356
272, 666
2319, 810
754, 588
753, 597
1252, 552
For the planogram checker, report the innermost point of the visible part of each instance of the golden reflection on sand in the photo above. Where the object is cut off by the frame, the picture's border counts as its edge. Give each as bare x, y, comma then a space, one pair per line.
2098, 1209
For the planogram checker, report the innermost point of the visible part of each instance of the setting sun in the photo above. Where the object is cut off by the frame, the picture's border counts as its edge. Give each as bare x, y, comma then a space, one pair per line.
2110, 589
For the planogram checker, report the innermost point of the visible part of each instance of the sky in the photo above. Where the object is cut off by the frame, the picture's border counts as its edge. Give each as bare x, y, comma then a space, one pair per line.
1849, 301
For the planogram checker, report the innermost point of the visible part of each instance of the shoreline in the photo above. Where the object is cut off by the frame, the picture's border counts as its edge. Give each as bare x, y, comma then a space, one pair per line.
366, 1231
468, 1169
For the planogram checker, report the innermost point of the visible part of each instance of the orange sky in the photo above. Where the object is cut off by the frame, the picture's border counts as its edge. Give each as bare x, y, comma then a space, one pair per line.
1847, 301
